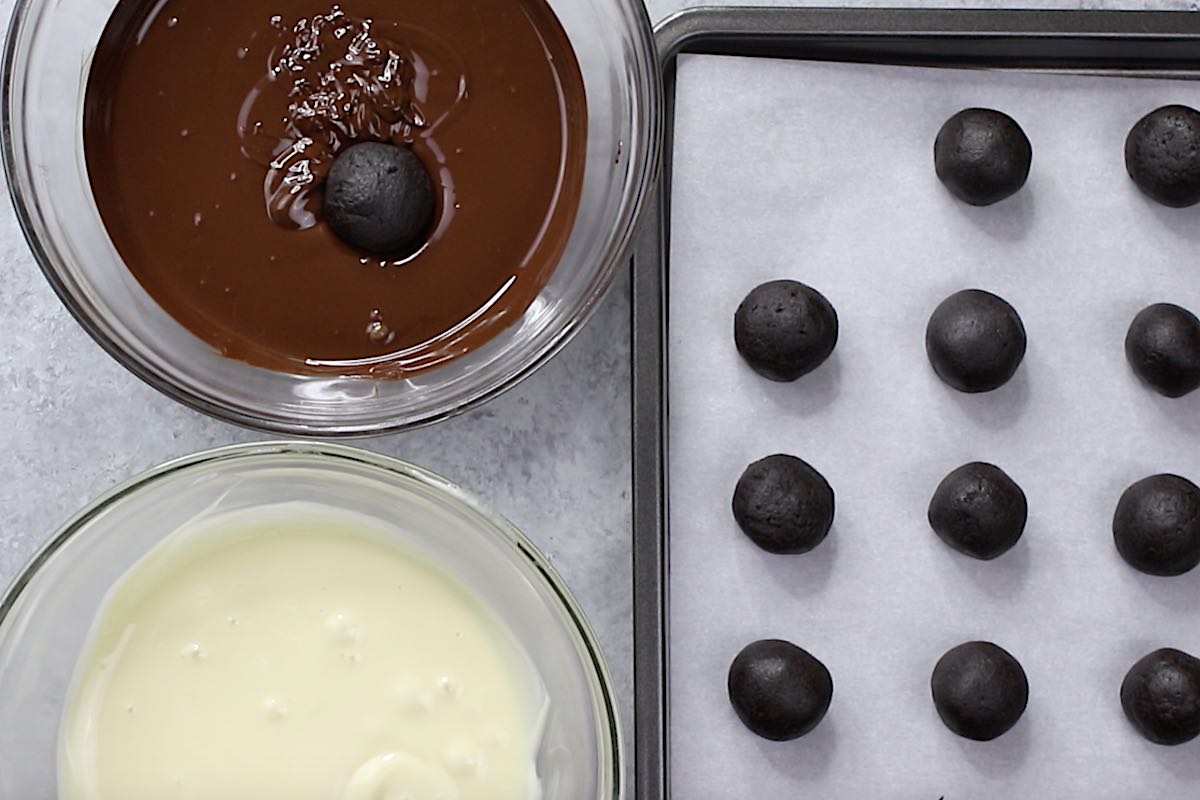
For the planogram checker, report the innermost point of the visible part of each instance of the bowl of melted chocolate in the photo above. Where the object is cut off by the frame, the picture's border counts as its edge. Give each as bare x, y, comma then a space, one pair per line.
331, 218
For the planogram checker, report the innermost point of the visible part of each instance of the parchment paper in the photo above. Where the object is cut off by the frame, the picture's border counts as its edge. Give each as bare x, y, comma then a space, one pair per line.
824, 174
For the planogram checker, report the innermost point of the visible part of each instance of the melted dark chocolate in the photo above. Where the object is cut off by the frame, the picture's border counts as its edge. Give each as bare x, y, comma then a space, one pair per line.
209, 129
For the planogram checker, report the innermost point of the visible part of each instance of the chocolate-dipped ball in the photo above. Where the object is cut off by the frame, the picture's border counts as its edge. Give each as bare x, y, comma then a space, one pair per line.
980, 691
785, 330
979, 511
975, 341
1157, 525
778, 690
379, 198
784, 505
1162, 155
982, 156
1163, 347
1161, 697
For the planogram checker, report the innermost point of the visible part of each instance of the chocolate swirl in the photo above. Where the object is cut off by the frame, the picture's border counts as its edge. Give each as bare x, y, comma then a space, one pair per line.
332, 81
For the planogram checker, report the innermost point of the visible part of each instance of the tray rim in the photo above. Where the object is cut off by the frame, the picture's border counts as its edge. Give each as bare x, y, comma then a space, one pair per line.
1126, 43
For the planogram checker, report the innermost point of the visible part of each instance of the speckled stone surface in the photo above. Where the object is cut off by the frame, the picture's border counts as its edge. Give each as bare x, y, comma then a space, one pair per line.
553, 454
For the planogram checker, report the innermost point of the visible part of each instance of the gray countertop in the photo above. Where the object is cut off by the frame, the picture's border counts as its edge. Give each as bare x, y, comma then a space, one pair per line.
553, 454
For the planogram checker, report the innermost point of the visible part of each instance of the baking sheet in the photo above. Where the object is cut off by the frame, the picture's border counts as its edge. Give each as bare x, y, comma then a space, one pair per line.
823, 173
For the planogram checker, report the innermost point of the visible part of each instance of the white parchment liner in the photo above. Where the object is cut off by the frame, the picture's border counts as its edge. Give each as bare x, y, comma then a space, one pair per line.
824, 173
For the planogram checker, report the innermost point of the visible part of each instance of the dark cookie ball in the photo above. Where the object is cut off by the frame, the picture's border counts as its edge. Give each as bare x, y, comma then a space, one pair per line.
1157, 525
1161, 697
975, 341
380, 198
784, 505
980, 691
1163, 347
778, 690
785, 330
1162, 155
982, 156
979, 511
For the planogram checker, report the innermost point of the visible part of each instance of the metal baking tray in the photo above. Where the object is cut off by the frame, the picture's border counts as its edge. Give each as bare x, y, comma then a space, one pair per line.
1151, 44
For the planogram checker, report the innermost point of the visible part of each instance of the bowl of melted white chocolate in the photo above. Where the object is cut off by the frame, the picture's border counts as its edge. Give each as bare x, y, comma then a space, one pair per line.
298, 622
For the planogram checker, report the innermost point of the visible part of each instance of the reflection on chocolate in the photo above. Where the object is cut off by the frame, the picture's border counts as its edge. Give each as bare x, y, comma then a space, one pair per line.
210, 129
332, 81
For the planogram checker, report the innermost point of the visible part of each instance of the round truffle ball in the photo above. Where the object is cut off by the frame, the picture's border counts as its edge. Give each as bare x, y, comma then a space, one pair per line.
1162, 155
379, 198
979, 511
1157, 525
778, 690
1161, 697
785, 330
982, 156
1163, 347
980, 691
975, 341
784, 505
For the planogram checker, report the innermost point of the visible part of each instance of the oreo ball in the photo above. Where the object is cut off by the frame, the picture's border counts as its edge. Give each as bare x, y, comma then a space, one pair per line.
785, 330
1162, 155
1157, 526
980, 691
1161, 697
1163, 347
784, 505
979, 511
975, 341
982, 156
779, 691
379, 198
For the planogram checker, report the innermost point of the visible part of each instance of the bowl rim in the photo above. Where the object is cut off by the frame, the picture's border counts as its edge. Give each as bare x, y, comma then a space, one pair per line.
320, 453
651, 134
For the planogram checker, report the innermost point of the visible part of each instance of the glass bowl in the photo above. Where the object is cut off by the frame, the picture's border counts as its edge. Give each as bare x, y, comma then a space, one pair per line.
46, 615
46, 62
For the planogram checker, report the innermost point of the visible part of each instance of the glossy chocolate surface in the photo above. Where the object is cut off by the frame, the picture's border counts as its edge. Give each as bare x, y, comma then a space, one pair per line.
210, 128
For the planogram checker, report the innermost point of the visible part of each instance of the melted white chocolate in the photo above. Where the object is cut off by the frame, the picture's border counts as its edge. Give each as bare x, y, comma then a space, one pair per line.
293, 653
